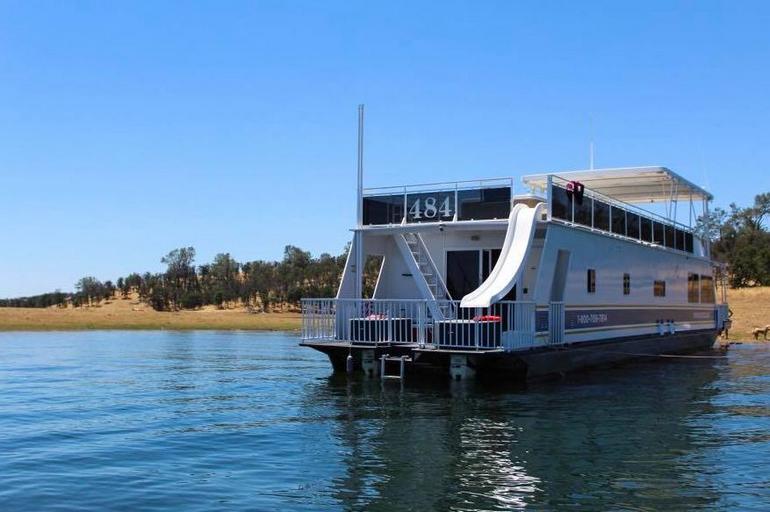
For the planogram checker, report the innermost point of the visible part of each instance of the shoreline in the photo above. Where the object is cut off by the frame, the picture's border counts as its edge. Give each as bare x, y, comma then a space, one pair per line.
86, 319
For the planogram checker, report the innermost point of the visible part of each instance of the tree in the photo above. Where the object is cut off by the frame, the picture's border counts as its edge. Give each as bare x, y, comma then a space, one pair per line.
132, 282
224, 279
90, 290
259, 282
749, 262
180, 276
740, 239
109, 290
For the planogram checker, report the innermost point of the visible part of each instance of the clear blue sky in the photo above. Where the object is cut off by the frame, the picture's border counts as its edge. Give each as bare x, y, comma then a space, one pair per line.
130, 128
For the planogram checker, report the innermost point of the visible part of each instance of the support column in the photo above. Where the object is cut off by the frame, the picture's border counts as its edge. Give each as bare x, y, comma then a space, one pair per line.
358, 253
459, 368
369, 363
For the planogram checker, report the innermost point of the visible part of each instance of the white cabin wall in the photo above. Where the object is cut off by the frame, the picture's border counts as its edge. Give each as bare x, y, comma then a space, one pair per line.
527, 289
612, 257
396, 281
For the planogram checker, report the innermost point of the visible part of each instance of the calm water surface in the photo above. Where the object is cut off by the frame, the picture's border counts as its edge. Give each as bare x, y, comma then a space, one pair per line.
246, 421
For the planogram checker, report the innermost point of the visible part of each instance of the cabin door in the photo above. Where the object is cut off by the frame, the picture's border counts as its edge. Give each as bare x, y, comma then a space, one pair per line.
462, 272
466, 270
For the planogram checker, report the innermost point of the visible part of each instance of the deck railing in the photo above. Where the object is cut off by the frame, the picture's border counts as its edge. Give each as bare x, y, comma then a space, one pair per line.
507, 325
439, 186
633, 223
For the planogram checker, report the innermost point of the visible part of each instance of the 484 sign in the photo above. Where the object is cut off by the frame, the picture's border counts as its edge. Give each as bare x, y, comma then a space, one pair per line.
429, 207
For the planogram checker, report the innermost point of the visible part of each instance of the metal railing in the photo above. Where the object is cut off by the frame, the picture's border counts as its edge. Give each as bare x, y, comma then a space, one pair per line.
507, 325
440, 186
523, 336
562, 183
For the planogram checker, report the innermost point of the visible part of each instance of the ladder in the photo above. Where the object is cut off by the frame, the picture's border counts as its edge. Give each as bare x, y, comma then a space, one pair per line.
430, 273
401, 360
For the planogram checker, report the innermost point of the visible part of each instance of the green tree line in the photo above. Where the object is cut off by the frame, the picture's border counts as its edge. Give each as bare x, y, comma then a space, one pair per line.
262, 285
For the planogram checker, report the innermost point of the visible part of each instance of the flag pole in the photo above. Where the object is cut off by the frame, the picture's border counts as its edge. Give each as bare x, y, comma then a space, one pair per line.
359, 207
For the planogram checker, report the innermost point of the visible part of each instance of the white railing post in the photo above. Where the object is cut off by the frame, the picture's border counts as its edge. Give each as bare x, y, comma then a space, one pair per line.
421, 324
556, 323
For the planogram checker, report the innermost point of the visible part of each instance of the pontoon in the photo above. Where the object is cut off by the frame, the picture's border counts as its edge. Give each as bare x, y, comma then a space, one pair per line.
585, 268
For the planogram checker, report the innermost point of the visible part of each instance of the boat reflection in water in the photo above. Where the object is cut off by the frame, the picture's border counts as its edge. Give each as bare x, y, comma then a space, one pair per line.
629, 437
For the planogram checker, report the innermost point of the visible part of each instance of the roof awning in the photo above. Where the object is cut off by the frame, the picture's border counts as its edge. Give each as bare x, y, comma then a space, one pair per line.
631, 185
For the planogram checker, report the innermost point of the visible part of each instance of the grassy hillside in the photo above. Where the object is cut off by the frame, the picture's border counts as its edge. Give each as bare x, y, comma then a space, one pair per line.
129, 314
751, 308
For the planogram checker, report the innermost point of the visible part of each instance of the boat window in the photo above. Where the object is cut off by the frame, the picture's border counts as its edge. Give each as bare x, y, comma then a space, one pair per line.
646, 229
591, 280
601, 216
383, 209
669, 236
484, 203
561, 205
707, 289
693, 288
680, 239
688, 242
659, 288
657, 233
626, 284
583, 211
632, 225
618, 221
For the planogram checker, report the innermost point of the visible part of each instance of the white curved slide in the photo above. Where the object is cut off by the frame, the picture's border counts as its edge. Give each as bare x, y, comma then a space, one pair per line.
510, 264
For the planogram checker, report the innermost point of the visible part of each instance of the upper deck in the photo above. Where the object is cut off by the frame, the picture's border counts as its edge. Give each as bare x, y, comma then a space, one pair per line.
607, 201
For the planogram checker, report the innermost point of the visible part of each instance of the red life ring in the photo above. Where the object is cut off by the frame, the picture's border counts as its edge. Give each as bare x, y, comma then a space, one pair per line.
487, 318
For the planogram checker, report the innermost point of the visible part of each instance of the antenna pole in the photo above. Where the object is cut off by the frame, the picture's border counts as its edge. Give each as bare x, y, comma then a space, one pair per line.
360, 189
358, 245
591, 143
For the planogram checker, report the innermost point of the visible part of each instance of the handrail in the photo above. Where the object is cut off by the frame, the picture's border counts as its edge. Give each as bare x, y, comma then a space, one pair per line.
505, 325
440, 185
627, 206
424, 250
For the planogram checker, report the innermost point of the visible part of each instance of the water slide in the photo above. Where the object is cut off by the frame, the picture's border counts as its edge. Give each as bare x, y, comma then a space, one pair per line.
510, 264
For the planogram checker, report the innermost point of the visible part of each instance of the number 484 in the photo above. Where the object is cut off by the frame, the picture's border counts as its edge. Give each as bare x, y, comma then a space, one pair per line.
429, 209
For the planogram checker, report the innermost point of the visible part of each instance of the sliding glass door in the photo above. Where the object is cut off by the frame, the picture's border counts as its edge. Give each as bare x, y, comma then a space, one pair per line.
466, 270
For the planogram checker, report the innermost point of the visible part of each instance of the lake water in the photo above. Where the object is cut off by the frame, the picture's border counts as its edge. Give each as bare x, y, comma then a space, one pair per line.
251, 421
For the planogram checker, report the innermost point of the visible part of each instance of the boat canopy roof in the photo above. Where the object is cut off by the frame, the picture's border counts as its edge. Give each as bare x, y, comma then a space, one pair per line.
630, 185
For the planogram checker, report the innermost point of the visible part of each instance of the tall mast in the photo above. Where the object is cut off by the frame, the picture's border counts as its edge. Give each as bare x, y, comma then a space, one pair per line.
359, 249
360, 189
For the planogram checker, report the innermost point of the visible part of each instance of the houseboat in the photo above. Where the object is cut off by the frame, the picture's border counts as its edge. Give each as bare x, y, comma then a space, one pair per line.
581, 269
